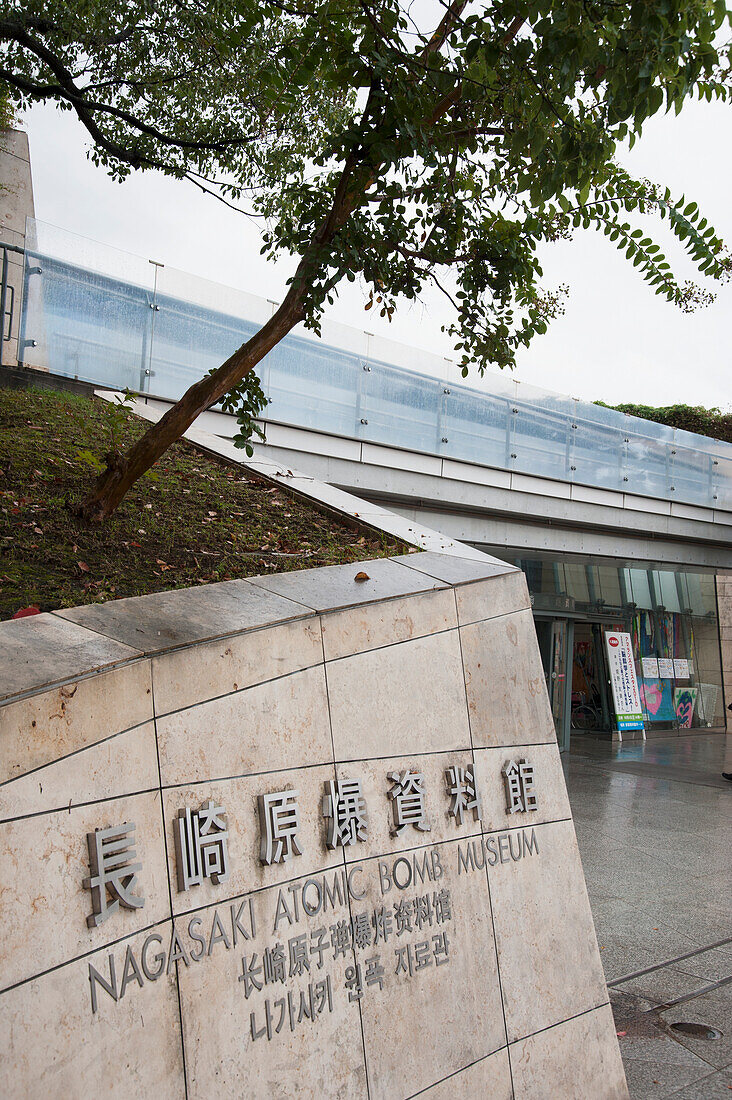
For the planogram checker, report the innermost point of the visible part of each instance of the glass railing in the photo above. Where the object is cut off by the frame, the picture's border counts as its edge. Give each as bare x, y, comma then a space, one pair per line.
104, 316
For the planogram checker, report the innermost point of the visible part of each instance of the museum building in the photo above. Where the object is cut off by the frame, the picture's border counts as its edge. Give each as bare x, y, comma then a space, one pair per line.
619, 524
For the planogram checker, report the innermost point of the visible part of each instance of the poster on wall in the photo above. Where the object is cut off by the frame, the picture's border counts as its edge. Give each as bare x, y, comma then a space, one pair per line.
658, 701
684, 701
650, 668
626, 696
681, 668
707, 702
665, 668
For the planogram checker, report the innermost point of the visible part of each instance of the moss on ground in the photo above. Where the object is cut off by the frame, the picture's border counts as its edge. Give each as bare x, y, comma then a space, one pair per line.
191, 521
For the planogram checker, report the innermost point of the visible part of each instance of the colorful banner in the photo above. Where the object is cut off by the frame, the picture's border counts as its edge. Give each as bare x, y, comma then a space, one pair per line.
626, 696
684, 701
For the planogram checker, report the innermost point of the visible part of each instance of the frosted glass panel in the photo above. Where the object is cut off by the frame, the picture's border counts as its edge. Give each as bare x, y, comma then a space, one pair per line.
117, 320
400, 408
477, 430
85, 325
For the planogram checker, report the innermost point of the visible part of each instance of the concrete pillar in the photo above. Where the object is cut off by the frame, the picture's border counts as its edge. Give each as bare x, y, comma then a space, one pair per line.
16, 204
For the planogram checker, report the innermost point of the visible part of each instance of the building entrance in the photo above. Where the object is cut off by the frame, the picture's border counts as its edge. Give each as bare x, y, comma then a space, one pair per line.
555, 645
591, 705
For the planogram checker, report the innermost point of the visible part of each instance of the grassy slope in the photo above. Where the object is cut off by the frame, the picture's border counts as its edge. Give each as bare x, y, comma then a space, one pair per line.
192, 521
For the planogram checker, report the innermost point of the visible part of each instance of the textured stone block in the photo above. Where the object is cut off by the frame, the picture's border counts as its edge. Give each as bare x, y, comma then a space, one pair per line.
238, 797
44, 904
548, 780
574, 1060
383, 837
439, 1018
320, 1057
500, 595
186, 677
507, 697
373, 626
184, 616
336, 585
53, 724
372, 699
547, 949
54, 1046
279, 724
123, 764
489, 1077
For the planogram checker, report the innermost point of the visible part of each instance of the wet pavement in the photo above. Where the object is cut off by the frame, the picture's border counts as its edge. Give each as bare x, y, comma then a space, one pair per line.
654, 825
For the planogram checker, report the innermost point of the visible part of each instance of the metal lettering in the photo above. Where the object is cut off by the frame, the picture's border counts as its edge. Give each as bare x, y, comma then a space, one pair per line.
465, 859
463, 791
384, 877
109, 986
201, 846
517, 856
178, 951
129, 971
530, 845
281, 911
279, 818
490, 847
113, 872
236, 925
355, 871
408, 865
408, 801
217, 936
197, 937
153, 975
518, 776
345, 808
312, 910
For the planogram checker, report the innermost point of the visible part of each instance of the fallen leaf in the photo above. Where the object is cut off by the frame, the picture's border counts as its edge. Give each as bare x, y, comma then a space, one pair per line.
24, 612
83, 566
361, 577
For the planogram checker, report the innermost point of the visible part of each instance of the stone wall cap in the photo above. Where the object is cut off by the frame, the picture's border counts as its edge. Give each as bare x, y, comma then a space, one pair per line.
44, 650
336, 586
455, 570
41, 651
185, 616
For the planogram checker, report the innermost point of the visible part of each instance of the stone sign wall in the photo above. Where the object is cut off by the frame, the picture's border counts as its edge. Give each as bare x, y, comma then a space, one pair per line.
302, 835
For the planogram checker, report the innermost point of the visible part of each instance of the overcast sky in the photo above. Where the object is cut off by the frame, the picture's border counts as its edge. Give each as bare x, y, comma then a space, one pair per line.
617, 341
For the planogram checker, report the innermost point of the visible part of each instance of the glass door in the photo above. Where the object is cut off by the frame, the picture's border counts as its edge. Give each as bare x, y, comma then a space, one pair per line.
555, 642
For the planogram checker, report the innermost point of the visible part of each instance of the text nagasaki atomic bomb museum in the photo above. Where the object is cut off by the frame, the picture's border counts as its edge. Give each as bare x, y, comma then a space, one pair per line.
295, 835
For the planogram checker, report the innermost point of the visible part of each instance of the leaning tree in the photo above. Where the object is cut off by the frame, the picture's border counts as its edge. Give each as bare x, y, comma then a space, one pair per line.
402, 142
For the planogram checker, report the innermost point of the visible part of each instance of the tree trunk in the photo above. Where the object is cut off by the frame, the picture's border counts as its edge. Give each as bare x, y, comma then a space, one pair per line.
124, 470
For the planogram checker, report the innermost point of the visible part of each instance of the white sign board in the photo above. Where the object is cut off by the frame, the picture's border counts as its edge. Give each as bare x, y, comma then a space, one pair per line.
650, 668
681, 668
665, 668
624, 682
